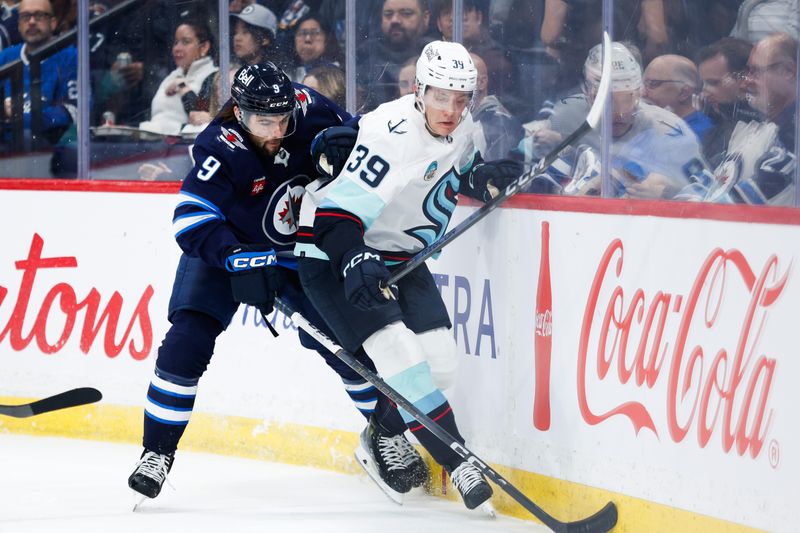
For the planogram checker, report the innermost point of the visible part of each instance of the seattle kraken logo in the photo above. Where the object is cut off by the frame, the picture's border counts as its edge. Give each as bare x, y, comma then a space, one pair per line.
438, 207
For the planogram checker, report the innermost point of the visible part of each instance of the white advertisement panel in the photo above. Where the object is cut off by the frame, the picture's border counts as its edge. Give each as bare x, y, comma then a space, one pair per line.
649, 356
85, 279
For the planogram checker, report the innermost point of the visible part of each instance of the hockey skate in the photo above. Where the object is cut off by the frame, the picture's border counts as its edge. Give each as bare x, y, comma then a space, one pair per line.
150, 473
417, 469
473, 487
383, 457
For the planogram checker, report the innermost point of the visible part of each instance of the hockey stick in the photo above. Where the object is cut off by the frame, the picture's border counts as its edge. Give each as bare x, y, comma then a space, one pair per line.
64, 400
600, 522
591, 122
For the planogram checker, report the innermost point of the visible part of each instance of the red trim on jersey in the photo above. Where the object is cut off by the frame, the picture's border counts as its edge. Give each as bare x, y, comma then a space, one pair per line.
341, 215
417, 428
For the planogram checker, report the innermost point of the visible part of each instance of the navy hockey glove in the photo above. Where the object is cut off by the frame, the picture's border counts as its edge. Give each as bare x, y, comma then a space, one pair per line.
331, 148
498, 174
365, 276
253, 280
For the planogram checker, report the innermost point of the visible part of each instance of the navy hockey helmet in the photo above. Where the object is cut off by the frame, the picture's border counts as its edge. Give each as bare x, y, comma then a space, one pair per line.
263, 91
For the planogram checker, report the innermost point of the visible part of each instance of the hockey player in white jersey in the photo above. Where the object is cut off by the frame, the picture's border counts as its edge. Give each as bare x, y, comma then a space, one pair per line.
395, 196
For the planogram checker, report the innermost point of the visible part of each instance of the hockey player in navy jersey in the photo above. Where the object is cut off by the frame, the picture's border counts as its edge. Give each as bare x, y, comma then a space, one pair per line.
395, 196
235, 222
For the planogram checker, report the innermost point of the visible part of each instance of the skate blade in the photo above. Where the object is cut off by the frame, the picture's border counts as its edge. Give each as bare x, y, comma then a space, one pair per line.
369, 467
139, 500
488, 509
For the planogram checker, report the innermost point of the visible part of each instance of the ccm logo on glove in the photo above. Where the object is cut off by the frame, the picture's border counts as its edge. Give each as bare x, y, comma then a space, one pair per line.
245, 260
358, 258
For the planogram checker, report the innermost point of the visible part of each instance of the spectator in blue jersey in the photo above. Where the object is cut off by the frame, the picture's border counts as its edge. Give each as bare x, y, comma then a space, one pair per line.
673, 83
59, 72
759, 166
721, 66
236, 224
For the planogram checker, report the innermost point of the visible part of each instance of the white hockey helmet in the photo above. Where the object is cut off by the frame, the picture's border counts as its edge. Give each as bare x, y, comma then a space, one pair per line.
445, 65
626, 73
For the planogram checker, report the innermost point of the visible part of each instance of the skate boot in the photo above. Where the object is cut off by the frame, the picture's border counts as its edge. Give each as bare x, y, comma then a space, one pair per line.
469, 481
382, 457
150, 473
415, 464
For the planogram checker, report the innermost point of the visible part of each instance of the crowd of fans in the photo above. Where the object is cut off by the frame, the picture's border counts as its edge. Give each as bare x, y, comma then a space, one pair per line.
703, 105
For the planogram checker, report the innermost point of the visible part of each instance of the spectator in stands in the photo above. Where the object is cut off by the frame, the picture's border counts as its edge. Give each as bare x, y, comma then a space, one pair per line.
771, 83
403, 27
476, 40
315, 45
133, 58
236, 6
497, 131
9, 26
672, 82
187, 88
328, 81
759, 165
721, 66
58, 83
759, 18
407, 77
654, 154
254, 35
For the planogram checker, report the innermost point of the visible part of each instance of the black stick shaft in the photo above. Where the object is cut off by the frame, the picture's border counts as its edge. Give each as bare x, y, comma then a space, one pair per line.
600, 522
63, 400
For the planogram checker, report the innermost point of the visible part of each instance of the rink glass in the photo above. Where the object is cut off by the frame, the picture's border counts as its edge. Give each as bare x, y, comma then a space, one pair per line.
545, 54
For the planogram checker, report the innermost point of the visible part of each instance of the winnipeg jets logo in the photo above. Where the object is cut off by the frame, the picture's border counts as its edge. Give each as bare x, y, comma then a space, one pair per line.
282, 213
393, 128
438, 207
303, 98
282, 158
232, 138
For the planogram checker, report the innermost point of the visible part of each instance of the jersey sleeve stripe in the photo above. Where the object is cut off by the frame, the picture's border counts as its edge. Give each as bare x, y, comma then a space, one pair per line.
350, 197
185, 198
183, 224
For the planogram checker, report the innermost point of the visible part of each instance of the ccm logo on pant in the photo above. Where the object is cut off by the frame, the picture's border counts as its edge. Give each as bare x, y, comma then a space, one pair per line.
358, 258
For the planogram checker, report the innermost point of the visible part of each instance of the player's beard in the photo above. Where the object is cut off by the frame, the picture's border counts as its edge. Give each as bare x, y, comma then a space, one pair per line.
271, 147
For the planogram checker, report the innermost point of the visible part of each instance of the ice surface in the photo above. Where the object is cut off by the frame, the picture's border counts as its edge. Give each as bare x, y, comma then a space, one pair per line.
66, 485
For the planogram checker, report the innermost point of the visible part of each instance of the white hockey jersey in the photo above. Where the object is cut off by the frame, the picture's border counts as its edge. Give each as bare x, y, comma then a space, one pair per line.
399, 180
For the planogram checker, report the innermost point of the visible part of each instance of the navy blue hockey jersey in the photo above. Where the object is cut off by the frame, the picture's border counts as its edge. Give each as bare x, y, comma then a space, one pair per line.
236, 195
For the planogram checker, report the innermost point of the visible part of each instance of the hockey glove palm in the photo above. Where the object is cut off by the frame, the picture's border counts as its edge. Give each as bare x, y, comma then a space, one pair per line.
254, 281
498, 174
365, 276
331, 148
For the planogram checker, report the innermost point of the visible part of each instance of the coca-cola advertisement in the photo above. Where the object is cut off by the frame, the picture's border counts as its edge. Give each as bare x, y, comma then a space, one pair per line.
648, 356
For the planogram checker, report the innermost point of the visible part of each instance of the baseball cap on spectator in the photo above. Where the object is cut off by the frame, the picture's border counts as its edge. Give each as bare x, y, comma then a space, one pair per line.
259, 16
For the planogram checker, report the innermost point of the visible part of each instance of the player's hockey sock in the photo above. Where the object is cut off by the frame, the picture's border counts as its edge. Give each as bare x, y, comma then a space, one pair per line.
416, 384
170, 400
363, 393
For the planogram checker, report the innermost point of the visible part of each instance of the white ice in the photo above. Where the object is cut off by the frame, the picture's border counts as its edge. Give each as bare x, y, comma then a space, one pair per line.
66, 485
